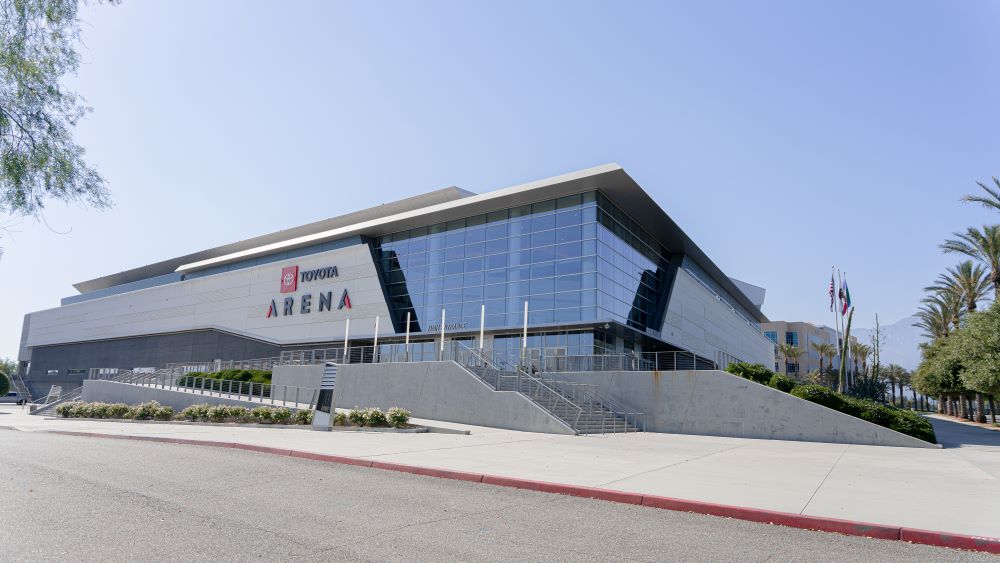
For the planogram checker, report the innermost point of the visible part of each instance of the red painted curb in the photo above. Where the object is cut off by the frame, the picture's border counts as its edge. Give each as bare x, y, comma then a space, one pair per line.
332, 458
957, 541
834, 525
262, 449
429, 471
559, 488
774, 517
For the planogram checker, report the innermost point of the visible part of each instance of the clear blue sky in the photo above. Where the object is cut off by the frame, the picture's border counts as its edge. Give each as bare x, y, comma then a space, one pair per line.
784, 137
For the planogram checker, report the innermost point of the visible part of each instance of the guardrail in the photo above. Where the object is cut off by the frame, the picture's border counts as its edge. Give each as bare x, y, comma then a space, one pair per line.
264, 393
646, 361
394, 353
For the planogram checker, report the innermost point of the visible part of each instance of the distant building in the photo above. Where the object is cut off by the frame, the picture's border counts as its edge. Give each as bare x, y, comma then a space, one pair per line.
801, 335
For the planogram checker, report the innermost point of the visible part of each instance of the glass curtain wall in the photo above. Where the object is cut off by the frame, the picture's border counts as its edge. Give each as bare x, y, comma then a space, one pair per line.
573, 259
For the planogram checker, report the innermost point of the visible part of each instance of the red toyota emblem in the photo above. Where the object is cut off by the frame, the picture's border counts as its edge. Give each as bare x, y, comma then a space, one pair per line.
289, 279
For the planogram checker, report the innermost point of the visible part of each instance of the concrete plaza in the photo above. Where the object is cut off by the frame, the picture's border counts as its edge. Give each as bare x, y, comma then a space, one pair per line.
954, 489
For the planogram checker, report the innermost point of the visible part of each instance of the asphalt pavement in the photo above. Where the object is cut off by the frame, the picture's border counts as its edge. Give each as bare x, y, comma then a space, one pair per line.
77, 498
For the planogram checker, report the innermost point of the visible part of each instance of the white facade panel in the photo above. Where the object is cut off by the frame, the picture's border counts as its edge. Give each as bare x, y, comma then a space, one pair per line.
236, 301
698, 320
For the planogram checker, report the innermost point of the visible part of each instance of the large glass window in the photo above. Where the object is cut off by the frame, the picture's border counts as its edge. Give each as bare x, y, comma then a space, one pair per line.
574, 259
792, 338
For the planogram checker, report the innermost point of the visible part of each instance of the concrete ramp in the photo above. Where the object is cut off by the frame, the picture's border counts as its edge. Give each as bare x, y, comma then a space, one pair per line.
716, 403
440, 391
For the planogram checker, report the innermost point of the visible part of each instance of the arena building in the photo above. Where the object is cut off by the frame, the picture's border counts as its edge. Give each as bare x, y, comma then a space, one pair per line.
585, 263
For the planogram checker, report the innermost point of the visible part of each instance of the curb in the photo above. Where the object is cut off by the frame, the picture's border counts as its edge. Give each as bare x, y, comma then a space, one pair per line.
788, 519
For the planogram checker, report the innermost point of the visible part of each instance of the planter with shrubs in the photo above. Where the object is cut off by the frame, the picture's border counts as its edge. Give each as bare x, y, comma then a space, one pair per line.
144, 411
905, 422
373, 417
195, 413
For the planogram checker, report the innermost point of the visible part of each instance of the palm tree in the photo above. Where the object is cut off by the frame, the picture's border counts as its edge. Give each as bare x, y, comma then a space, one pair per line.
825, 350
939, 314
982, 245
863, 352
966, 280
790, 354
894, 374
858, 351
905, 378
992, 198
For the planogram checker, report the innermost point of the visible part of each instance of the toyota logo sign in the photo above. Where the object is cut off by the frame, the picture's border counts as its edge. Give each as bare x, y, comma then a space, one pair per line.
289, 279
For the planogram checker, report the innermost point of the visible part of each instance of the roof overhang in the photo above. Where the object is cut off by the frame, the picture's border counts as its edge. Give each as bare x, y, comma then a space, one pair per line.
610, 179
169, 266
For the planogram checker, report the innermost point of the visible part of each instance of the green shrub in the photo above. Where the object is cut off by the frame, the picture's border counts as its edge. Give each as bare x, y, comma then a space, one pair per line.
821, 395
237, 413
99, 410
782, 383
65, 410
340, 419
261, 415
397, 417
81, 410
912, 424
195, 413
281, 415
164, 413
146, 411
218, 413
303, 416
357, 417
117, 410
906, 422
753, 372
374, 417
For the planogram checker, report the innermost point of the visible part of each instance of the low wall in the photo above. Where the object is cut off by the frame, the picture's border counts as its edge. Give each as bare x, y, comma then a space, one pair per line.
439, 391
114, 392
716, 403
306, 376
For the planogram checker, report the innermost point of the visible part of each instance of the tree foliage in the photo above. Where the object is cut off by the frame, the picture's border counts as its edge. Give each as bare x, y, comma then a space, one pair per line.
39, 159
978, 343
982, 245
940, 371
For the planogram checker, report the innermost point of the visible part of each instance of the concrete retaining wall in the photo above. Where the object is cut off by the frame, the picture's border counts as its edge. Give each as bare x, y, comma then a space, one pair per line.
439, 391
114, 392
716, 403
308, 376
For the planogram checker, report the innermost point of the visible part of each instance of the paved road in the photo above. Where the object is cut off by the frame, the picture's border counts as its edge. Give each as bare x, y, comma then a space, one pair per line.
76, 498
953, 434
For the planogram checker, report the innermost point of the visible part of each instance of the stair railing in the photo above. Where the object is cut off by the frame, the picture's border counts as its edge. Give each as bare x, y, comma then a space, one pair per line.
531, 387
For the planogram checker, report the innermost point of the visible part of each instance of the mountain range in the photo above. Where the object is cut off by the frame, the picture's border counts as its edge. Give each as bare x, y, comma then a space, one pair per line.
901, 345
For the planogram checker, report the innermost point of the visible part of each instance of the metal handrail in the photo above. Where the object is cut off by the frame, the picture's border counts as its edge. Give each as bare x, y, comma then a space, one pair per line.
678, 360
531, 387
263, 393
592, 396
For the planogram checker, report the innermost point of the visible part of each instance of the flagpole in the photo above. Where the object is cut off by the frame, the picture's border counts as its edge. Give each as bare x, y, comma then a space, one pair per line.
843, 344
836, 319
847, 345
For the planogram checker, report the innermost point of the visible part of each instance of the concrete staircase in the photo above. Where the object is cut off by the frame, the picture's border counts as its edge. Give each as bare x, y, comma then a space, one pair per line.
577, 405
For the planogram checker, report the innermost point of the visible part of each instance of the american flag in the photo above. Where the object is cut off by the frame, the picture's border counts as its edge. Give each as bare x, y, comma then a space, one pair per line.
831, 292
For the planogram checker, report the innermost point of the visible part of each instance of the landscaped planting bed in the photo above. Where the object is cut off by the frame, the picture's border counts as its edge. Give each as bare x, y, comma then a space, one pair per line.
370, 417
906, 422
195, 413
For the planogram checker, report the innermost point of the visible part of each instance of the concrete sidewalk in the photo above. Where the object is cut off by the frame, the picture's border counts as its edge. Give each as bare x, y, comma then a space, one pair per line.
955, 489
